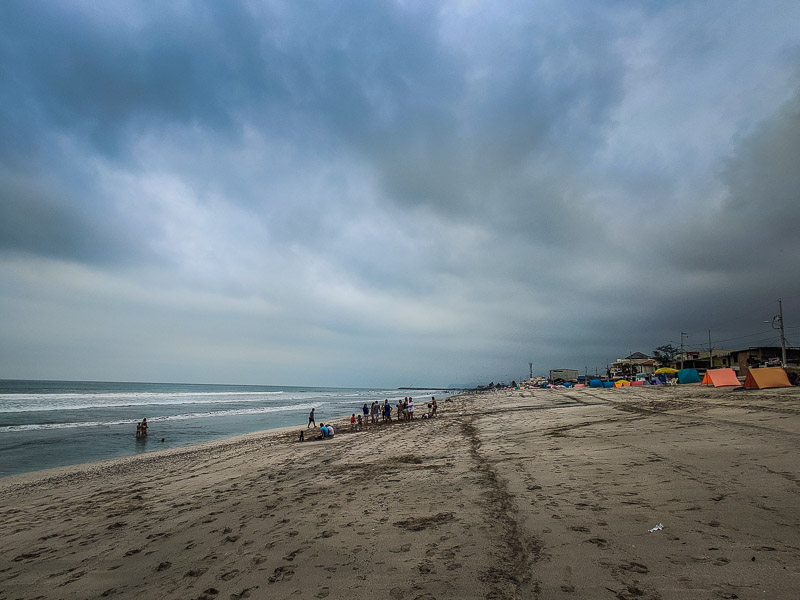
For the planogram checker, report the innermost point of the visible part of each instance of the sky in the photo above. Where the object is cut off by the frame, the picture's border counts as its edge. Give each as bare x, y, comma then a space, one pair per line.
392, 193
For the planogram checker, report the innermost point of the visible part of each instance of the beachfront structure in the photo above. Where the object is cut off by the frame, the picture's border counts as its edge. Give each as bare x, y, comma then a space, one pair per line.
741, 361
563, 374
631, 365
699, 359
756, 356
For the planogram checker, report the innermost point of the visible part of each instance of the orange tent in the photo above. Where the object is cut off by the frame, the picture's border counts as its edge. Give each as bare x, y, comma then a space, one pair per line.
768, 377
622, 383
720, 377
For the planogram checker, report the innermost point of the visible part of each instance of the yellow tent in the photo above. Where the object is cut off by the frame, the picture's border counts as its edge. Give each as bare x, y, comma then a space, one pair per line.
668, 370
622, 383
768, 377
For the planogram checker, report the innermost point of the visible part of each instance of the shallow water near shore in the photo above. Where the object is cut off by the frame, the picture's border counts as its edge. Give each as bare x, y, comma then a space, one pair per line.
45, 424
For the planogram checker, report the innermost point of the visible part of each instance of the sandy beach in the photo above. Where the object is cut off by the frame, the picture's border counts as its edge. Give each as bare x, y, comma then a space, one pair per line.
545, 494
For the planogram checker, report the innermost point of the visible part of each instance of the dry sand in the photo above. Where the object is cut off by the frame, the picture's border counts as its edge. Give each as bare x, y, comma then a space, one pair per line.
546, 494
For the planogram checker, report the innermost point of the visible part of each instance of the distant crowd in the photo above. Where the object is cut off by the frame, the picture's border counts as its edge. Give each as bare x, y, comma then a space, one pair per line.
374, 414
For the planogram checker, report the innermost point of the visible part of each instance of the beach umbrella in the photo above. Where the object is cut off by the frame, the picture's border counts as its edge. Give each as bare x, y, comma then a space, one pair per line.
669, 370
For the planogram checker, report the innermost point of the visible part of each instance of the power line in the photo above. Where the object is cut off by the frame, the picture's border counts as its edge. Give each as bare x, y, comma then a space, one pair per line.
741, 337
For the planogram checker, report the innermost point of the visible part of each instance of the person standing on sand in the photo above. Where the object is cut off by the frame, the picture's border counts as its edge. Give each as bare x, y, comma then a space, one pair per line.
311, 418
411, 409
365, 410
387, 411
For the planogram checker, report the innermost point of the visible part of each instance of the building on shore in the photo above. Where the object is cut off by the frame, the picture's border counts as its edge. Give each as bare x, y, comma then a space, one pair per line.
563, 375
741, 360
630, 366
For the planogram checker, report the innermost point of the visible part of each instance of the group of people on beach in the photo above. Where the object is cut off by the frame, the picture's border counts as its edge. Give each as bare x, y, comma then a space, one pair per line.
383, 412
373, 414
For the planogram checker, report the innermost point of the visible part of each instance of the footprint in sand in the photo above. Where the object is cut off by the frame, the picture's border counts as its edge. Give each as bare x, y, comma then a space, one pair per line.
195, 572
228, 576
323, 593
282, 574
634, 567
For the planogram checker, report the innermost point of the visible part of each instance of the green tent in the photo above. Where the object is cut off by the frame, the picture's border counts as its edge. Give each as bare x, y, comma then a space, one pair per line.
688, 376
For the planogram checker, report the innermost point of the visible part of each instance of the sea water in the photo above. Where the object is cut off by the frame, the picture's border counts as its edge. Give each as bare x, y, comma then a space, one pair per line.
45, 424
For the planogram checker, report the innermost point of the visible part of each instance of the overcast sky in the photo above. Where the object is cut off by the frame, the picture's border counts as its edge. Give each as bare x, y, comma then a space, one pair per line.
370, 193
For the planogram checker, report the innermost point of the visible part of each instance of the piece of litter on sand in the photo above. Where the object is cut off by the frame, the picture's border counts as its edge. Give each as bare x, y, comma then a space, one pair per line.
658, 527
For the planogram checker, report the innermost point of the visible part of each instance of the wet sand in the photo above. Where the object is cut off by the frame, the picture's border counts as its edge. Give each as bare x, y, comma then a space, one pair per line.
546, 494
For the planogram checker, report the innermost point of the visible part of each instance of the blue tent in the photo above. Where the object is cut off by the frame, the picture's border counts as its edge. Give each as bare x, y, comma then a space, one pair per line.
595, 383
688, 376
608, 384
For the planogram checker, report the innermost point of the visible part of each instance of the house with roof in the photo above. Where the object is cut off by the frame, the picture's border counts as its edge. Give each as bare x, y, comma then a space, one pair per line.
632, 365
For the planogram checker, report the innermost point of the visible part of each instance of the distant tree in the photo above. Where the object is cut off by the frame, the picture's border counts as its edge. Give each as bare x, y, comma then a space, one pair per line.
666, 354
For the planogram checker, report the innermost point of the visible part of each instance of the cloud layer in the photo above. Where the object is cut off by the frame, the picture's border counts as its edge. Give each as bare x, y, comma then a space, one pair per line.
395, 193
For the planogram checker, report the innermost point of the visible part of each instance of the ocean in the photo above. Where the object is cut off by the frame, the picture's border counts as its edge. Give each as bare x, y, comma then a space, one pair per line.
45, 424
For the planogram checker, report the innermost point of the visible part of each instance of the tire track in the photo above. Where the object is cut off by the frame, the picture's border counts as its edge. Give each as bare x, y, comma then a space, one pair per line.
512, 573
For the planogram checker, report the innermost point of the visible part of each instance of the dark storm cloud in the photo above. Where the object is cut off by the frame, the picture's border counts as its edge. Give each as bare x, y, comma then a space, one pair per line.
384, 183
95, 80
756, 224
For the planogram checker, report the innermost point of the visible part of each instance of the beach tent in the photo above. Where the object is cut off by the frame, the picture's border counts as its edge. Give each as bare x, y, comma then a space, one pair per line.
720, 377
688, 376
667, 370
638, 382
608, 384
622, 383
595, 383
579, 385
768, 377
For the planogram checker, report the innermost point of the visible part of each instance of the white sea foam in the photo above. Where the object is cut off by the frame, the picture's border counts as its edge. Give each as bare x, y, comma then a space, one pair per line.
181, 417
58, 402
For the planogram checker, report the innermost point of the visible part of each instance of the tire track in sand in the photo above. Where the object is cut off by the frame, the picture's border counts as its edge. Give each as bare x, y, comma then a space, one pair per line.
512, 573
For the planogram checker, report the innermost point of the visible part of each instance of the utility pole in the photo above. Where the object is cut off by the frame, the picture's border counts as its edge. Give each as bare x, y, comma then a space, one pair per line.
682, 353
710, 352
783, 337
530, 370
779, 319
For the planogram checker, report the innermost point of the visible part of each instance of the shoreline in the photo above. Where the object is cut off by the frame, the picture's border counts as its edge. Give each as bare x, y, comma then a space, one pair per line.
536, 494
64, 437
